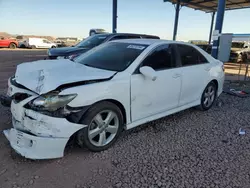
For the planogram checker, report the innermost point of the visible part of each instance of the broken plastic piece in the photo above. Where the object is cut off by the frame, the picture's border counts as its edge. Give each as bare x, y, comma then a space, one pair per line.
242, 131
238, 93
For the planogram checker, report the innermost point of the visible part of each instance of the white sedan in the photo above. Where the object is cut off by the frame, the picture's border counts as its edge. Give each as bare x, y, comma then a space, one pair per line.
115, 86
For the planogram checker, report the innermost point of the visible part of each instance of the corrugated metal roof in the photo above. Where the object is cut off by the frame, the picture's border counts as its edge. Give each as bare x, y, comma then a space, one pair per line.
242, 35
211, 5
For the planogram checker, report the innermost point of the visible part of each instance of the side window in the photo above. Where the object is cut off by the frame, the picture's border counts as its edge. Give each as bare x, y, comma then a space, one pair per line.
125, 37
150, 37
133, 37
190, 56
119, 38
161, 58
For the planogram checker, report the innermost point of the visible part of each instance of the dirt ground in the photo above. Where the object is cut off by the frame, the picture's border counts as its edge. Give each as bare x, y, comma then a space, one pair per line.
187, 149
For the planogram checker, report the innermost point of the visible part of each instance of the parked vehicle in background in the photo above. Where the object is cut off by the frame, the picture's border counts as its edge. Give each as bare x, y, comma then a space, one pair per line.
91, 42
8, 43
22, 44
117, 85
237, 49
60, 43
38, 43
96, 31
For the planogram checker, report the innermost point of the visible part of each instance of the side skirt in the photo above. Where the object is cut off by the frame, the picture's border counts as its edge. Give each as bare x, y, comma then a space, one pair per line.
160, 115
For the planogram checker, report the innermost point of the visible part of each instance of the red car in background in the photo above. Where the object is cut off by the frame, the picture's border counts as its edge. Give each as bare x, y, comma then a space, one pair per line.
8, 43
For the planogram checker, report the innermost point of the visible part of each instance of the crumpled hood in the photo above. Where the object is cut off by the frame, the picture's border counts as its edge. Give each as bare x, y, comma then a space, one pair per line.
65, 51
46, 75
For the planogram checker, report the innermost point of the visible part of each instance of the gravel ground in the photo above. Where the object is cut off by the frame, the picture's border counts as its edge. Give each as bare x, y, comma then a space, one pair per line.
187, 149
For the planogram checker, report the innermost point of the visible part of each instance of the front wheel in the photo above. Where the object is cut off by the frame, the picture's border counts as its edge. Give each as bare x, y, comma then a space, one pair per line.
105, 123
208, 97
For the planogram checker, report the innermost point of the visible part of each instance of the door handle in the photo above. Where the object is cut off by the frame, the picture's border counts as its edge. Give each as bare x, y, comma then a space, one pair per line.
176, 75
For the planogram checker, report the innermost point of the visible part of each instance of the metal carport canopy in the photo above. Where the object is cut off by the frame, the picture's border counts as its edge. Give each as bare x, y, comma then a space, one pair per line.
219, 6
211, 5
207, 6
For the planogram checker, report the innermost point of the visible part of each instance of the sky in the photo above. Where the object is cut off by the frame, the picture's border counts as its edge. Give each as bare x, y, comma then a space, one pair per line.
64, 18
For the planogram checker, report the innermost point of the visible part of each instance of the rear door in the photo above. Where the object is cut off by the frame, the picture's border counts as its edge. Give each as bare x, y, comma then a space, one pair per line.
195, 73
150, 97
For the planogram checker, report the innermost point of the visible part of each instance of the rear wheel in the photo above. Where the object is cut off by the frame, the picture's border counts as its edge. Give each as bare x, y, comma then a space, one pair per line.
33, 47
105, 123
53, 47
208, 97
12, 46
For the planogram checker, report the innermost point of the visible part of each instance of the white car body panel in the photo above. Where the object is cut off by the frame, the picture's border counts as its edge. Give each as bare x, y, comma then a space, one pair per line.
43, 76
155, 96
193, 79
143, 100
104, 91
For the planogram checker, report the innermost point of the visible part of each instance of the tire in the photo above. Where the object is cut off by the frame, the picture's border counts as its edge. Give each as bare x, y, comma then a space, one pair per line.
12, 46
53, 47
33, 47
208, 97
100, 110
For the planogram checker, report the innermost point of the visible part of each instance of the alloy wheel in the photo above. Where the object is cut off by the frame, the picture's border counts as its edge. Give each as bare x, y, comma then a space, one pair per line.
209, 96
103, 128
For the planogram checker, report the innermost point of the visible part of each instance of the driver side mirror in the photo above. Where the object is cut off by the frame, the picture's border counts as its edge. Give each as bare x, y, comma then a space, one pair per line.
148, 72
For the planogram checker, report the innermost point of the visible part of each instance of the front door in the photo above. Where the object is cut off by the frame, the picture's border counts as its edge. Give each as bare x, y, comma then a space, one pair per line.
3, 42
150, 97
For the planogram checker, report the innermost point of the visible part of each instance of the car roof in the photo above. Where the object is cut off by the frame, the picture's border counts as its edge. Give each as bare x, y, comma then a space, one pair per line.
122, 34
152, 41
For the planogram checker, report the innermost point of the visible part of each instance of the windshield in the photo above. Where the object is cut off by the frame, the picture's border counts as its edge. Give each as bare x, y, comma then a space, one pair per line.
92, 41
113, 56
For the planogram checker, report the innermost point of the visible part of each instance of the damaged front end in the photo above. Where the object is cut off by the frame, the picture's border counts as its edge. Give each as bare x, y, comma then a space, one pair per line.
42, 124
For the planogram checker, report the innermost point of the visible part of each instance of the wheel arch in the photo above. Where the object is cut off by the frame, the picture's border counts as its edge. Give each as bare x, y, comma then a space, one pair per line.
75, 118
13, 43
120, 106
216, 84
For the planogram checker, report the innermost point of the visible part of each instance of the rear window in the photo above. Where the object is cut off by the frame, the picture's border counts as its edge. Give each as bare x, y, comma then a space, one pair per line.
113, 56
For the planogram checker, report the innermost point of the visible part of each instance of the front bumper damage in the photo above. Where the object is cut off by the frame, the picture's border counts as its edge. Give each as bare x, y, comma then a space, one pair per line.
38, 136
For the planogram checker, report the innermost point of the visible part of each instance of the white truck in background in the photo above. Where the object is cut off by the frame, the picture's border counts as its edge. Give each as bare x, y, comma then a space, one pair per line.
36, 43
